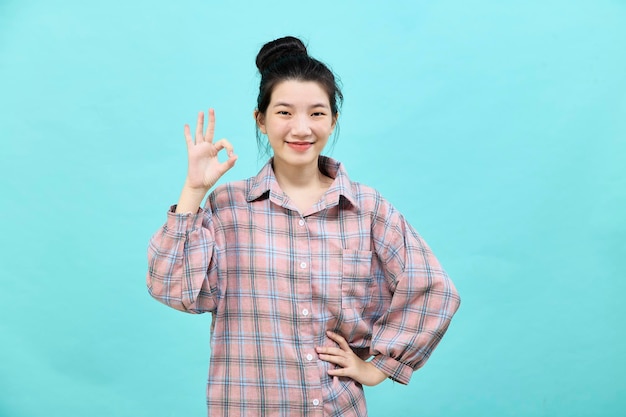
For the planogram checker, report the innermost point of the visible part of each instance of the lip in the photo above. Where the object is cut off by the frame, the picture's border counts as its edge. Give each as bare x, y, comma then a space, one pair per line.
300, 146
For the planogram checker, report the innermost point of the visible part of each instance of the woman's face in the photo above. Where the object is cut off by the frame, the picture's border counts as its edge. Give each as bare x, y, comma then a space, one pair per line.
298, 122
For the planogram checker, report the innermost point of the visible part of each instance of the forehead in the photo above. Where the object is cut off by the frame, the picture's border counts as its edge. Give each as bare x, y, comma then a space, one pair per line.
299, 93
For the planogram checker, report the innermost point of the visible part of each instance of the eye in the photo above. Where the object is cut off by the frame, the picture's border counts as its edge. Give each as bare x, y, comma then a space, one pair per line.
283, 112
318, 114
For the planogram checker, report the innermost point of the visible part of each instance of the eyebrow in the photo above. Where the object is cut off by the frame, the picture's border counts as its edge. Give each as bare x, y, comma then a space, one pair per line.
316, 105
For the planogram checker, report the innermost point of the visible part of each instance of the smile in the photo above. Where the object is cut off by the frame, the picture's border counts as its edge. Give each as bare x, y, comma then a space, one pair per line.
299, 146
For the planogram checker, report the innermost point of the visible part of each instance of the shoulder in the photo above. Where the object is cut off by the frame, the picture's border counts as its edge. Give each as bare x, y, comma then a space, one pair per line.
367, 200
370, 201
229, 195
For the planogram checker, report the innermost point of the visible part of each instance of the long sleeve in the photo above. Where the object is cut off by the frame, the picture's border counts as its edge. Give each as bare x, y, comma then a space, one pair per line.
423, 300
182, 271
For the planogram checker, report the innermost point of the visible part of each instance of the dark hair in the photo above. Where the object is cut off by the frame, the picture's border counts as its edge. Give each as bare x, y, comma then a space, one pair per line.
287, 59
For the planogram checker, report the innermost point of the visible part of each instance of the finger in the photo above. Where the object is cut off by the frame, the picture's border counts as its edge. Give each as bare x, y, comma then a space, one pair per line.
224, 144
337, 360
210, 130
330, 351
199, 127
338, 372
188, 136
232, 158
229, 163
340, 340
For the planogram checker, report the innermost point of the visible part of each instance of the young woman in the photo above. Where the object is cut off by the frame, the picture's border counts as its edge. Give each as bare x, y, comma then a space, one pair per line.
316, 284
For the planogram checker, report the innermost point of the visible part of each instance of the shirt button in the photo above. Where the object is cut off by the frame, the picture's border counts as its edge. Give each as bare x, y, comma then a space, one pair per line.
303, 265
301, 222
305, 312
316, 402
309, 357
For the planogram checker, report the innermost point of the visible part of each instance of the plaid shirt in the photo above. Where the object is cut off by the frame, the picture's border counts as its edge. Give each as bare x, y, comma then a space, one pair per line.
276, 279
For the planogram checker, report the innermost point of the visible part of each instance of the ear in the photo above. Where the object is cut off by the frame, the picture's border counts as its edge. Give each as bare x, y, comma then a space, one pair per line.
260, 121
335, 117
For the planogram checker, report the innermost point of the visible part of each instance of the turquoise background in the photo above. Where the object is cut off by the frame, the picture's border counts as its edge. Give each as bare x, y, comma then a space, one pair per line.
497, 127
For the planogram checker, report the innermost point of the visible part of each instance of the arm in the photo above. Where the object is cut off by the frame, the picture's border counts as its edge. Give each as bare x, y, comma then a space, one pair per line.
181, 255
423, 302
182, 267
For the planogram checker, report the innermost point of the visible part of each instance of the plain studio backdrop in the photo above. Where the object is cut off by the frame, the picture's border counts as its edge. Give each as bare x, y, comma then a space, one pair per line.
497, 127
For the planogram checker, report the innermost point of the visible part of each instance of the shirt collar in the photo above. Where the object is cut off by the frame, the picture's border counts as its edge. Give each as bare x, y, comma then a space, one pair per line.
264, 183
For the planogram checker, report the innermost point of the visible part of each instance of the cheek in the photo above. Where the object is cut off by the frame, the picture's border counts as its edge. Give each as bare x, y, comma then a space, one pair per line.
277, 129
325, 129
274, 135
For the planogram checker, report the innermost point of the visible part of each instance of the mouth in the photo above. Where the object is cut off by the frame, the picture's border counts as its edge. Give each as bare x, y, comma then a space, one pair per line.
299, 146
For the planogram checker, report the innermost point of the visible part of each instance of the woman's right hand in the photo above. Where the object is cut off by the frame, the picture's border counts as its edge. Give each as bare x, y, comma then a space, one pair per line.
204, 168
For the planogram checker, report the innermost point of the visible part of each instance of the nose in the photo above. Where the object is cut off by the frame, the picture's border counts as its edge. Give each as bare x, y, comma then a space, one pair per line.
300, 126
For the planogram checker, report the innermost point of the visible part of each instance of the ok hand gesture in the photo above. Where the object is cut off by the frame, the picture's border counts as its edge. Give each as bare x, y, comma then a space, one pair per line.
204, 168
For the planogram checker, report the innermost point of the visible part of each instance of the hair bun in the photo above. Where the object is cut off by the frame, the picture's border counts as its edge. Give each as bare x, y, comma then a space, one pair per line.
277, 49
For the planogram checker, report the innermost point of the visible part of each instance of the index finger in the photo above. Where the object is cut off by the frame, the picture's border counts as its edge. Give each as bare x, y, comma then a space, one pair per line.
343, 344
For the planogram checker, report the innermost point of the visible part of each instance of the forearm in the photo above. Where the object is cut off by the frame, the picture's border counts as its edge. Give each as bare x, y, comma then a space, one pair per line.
405, 336
180, 263
190, 199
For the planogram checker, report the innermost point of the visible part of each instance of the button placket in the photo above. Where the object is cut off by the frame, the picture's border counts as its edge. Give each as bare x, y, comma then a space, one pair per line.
303, 276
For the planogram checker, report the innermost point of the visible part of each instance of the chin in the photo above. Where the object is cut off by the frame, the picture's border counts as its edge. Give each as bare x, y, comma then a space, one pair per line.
298, 160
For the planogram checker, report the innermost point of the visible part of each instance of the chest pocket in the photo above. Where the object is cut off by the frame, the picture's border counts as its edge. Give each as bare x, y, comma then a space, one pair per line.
356, 279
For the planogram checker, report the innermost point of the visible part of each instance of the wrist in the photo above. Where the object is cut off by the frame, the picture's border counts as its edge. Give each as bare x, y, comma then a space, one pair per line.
194, 190
190, 199
375, 375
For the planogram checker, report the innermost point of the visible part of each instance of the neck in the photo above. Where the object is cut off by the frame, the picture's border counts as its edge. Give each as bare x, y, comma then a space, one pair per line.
301, 177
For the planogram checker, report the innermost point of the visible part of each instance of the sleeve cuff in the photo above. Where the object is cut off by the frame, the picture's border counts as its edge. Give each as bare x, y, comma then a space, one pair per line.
180, 224
397, 371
